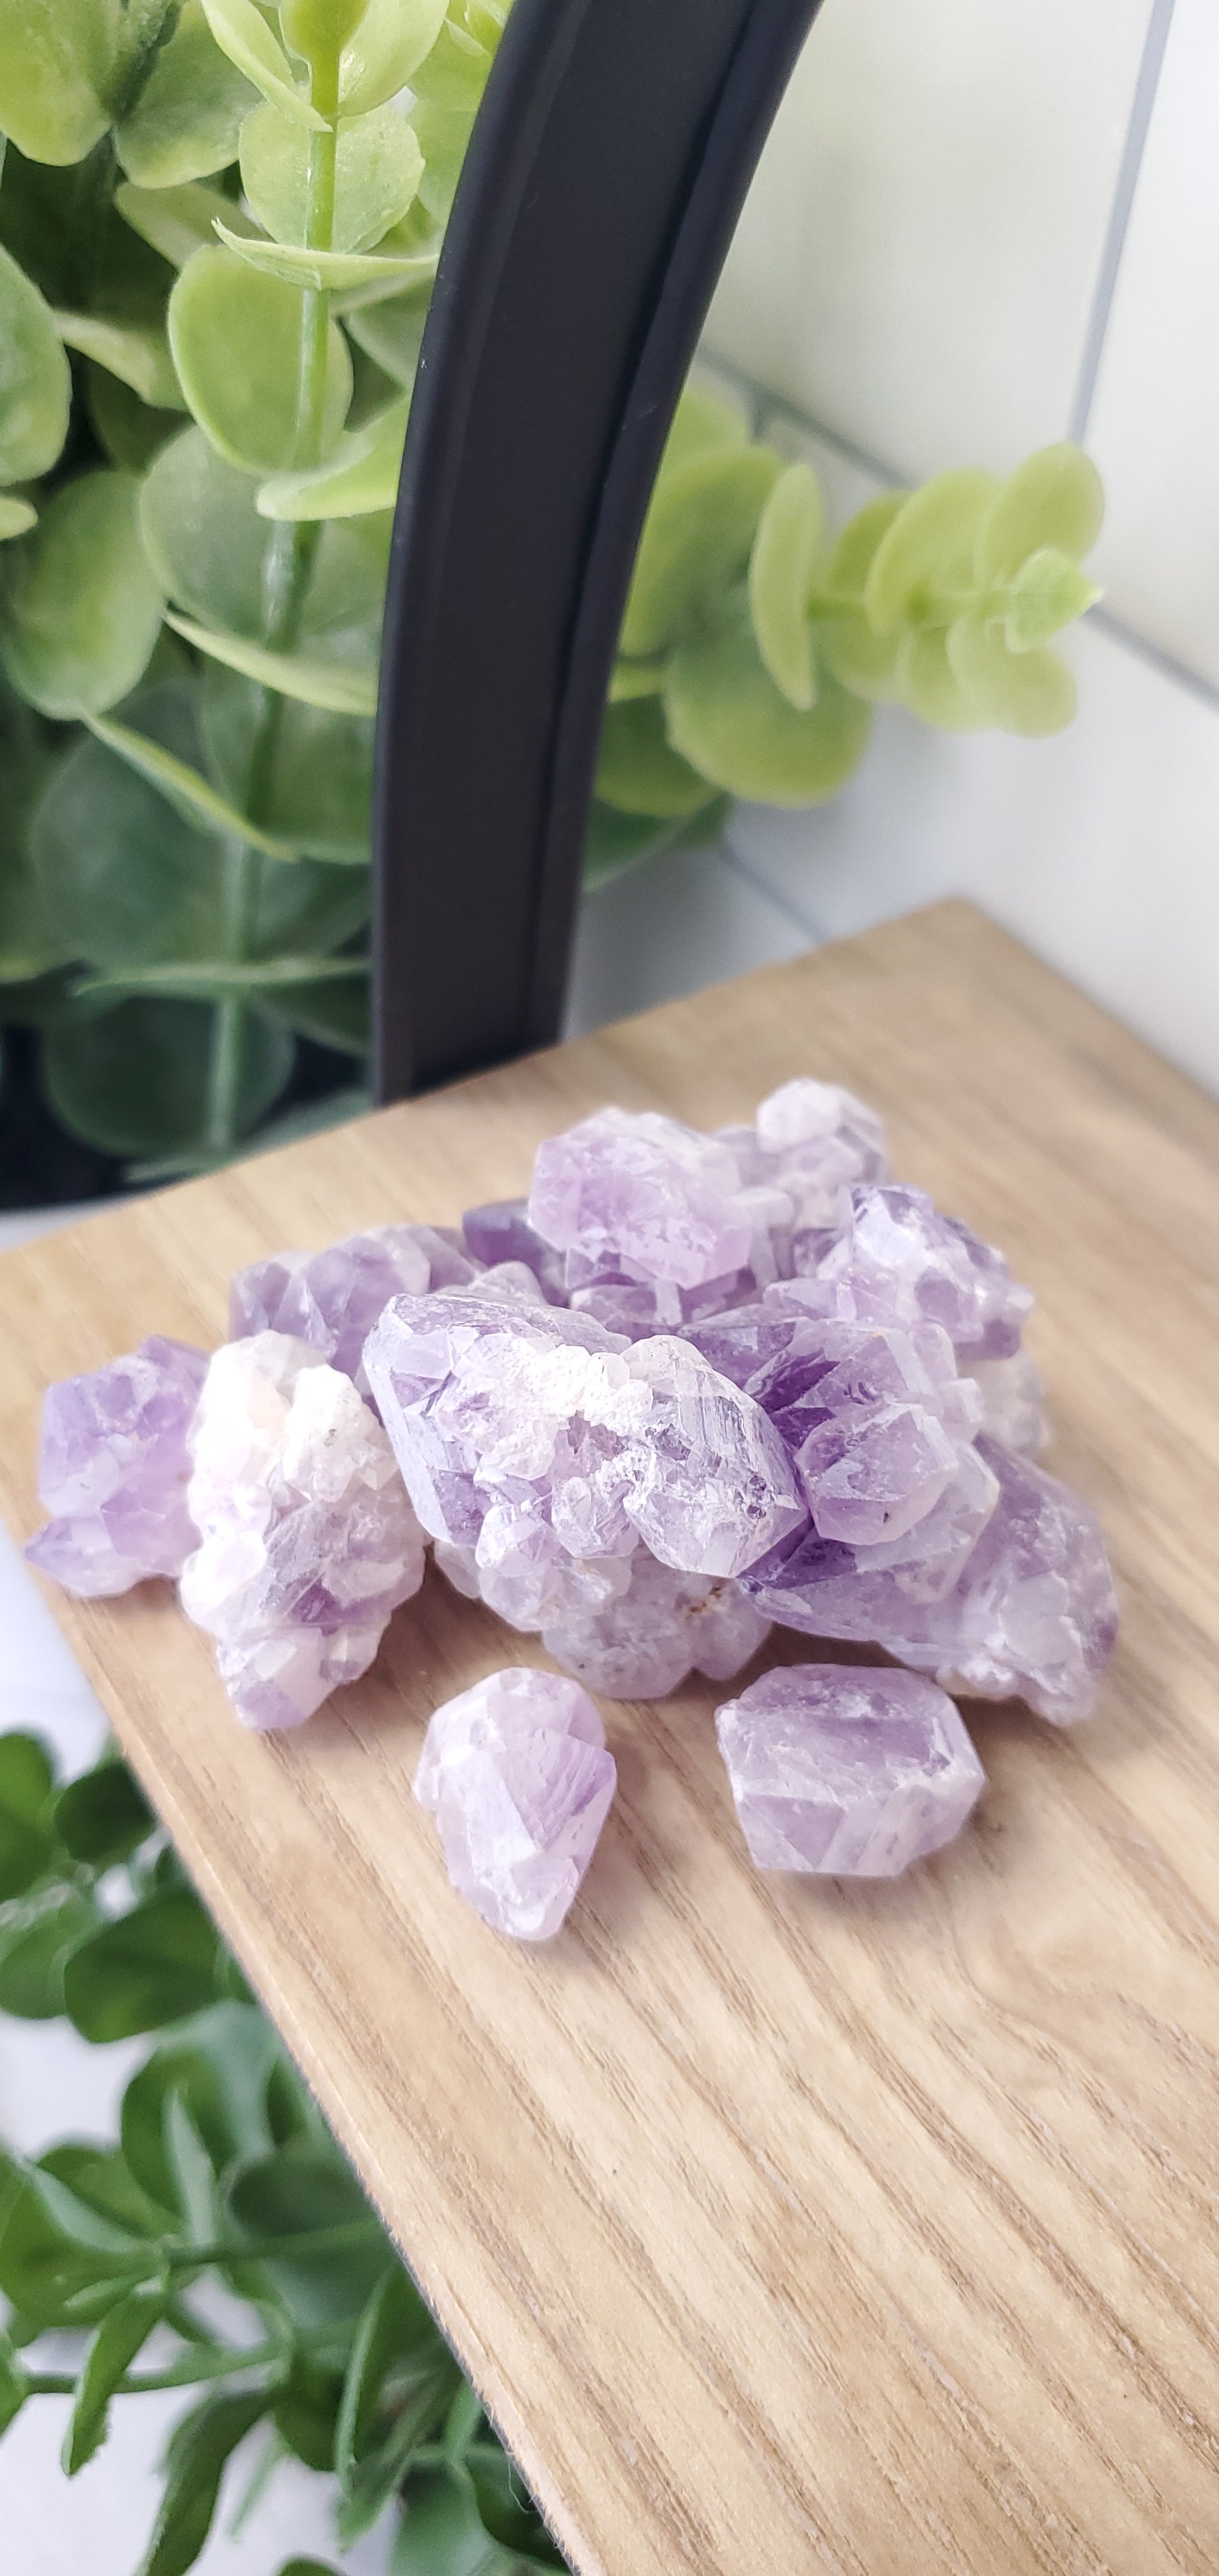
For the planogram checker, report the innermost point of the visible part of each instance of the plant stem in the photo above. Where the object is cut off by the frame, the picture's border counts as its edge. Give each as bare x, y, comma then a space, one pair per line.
271, 2249
290, 566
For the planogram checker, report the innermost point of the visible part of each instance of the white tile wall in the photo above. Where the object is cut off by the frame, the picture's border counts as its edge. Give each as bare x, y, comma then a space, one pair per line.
1154, 429
919, 254
976, 228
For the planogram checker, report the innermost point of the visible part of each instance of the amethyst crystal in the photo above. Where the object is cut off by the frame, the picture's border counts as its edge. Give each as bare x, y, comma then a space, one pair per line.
307, 1541
332, 1299
1031, 1613
848, 1772
517, 1776
113, 1468
653, 1629
570, 1442
640, 1197
955, 1279
501, 1232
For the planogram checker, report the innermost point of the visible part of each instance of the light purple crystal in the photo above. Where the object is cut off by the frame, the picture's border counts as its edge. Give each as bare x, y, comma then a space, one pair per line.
332, 1299
845, 1771
1013, 1401
644, 1191
957, 1280
517, 1775
578, 1443
1031, 1613
653, 1629
501, 1232
113, 1468
307, 1540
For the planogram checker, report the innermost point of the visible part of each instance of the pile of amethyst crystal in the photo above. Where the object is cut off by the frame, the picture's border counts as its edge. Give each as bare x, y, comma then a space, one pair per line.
691, 1386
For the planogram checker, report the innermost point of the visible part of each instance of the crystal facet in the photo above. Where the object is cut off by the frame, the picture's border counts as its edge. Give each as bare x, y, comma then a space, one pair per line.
307, 1540
113, 1468
956, 1280
847, 1771
332, 1299
653, 1630
517, 1775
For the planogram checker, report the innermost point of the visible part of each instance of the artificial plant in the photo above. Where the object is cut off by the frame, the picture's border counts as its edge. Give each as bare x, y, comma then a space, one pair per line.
224, 2175
219, 224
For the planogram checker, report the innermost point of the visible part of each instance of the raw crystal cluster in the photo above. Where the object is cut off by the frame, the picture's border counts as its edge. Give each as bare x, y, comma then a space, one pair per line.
113, 1467
690, 1386
517, 1776
847, 1771
306, 1539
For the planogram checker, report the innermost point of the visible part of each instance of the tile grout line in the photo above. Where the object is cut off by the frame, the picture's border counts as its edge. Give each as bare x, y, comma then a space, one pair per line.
758, 884
1142, 105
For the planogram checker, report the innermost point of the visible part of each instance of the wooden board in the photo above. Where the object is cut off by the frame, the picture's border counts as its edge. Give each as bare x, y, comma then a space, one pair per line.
785, 2226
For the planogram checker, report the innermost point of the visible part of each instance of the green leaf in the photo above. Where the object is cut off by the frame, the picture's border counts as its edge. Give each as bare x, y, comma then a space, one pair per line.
785, 550
302, 2190
235, 337
1045, 595
1030, 692
15, 517
927, 553
220, 2071
644, 678
226, 566
378, 165
32, 1960
444, 137
702, 422
138, 356
196, 2192
99, 2177
60, 2264
397, 2327
242, 33
855, 548
306, 2410
57, 64
333, 1013
328, 272
121, 2334
134, 1080
616, 841
268, 981
638, 769
103, 1816
929, 685
319, 684
454, 73
727, 717
188, 115
35, 379
177, 222
386, 49
696, 542
199, 2452
864, 662
184, 789
362, 475
1056, 498
442, 2532
83, 610
391, 332
306, 2567
149, 1967
128, 431
14, 2389
26, 1838
319, 790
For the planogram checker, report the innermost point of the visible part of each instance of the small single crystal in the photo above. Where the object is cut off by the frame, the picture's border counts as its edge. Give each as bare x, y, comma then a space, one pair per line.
847, 1771
517, 1775
113, 1468
332, 1299
307, 1540
647, 1190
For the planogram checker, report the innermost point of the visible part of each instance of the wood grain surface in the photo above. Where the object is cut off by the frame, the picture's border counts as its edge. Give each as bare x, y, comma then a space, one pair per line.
785, 2226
